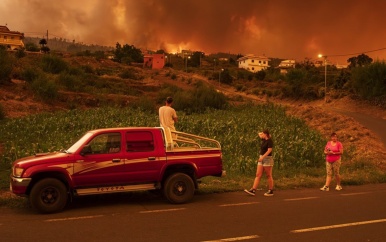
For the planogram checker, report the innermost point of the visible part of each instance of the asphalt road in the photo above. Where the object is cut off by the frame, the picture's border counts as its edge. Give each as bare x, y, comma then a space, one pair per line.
357, 213
375, 124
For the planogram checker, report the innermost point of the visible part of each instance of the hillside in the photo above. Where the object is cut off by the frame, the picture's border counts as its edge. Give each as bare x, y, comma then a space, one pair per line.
18, 101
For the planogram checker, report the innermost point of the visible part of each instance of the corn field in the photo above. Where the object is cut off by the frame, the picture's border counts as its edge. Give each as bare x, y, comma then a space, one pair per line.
295, 145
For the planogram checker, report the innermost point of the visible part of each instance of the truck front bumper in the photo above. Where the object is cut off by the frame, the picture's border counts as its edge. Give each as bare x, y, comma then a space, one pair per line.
19, 185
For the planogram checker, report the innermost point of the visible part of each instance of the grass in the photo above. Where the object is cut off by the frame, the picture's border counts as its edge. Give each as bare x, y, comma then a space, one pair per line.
299, 161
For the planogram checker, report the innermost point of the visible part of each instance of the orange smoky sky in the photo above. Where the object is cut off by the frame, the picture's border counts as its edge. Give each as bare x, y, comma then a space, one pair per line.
288, 29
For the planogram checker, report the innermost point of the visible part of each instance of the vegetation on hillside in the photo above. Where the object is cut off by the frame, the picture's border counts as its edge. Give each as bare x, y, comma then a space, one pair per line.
49, 73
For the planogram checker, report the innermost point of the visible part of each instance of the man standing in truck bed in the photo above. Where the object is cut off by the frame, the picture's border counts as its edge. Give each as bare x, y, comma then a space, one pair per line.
168, 116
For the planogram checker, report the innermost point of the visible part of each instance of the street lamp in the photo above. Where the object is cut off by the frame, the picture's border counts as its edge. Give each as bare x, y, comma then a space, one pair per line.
187, 63
325, 76
219, 77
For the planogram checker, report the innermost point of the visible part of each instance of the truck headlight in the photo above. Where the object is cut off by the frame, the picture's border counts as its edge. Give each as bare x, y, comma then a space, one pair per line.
17, 171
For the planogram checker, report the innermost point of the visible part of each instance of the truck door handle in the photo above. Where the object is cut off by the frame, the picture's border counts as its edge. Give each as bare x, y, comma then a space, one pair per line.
151, 158
116, 160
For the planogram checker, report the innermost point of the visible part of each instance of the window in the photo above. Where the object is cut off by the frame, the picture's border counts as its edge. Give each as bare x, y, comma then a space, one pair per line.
253, 61
104, 144
139, 141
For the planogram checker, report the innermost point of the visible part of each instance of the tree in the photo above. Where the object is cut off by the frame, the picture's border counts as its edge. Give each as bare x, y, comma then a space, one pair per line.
44, 48
223, 76
127, 54
360, 60
42, 42
195, 60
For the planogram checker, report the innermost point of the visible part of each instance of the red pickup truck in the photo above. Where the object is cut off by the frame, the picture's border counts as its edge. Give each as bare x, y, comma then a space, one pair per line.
118, 160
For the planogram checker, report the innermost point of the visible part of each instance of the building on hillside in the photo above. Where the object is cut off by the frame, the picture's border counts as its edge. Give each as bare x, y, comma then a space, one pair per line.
13, 40
185, 53
318, 63
253, 63
154, 61
285, 65
341, 66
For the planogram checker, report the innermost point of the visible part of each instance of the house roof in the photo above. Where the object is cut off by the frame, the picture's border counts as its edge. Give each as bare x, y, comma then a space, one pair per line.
253, 57
286, 64
5, 29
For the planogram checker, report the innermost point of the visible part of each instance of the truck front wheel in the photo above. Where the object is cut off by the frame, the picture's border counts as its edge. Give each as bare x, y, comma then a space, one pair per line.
179, 188
48, 196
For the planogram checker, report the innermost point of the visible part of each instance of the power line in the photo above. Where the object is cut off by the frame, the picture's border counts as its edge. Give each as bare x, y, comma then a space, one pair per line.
358, 53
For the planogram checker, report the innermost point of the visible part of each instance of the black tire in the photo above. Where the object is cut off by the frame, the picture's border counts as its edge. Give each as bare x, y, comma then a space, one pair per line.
48, 196
179, 188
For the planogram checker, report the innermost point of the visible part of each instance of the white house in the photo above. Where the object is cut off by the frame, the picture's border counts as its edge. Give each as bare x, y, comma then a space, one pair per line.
253, 63
285, 65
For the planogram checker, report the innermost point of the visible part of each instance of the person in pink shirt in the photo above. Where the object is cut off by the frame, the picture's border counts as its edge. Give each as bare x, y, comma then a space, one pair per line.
333, 152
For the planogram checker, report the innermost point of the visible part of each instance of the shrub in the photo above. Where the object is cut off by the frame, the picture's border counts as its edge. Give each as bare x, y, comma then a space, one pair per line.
239, 87
30, 74
2, 112
6, 65
20, 53
103, 71
45, 89
54, 64
99, 55
128, 74
260, 75
369, 81
88, 69
70, 81
145, 104
29, 46
77, 71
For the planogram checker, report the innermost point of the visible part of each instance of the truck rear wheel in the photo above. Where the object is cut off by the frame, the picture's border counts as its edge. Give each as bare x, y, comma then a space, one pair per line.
48, 196
179, 188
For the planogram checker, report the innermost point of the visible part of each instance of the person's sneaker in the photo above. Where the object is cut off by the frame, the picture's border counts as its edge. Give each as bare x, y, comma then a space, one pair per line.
269, 193
338, 187
325, 189
250, 191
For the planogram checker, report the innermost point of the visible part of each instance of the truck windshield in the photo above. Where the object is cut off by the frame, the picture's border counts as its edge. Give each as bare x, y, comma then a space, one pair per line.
79, 143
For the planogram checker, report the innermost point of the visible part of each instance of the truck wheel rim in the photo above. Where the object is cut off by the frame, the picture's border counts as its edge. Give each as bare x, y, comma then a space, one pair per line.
179, 188
49, 195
